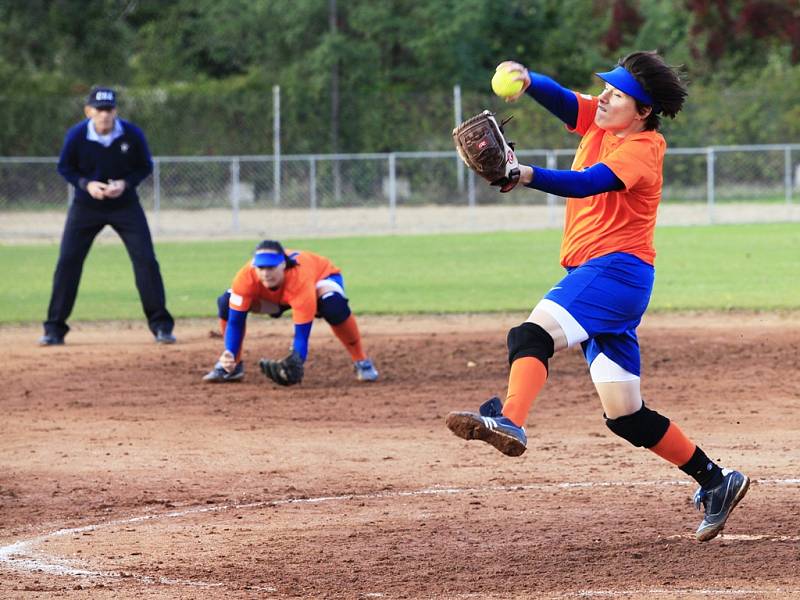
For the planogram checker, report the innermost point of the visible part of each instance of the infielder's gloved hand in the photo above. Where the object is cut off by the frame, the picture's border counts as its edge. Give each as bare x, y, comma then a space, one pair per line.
484, 149
288, 371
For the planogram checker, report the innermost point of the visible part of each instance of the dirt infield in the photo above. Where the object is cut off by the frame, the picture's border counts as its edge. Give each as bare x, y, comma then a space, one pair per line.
123, 476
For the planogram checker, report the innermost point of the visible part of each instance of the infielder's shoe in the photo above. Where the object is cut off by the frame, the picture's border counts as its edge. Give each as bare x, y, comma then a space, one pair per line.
490, 426
365, 370
719, 502
164, 337
220, 375
51, 340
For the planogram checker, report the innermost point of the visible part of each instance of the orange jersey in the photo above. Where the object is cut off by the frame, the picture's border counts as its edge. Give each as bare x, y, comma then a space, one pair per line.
616, 221
298, 290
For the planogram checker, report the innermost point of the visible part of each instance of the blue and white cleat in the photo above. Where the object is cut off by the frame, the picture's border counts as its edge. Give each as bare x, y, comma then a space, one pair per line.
220, 375
365, 370
489, 425
719, 502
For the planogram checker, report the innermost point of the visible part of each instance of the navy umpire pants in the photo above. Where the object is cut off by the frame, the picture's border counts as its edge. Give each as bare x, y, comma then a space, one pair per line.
83, 224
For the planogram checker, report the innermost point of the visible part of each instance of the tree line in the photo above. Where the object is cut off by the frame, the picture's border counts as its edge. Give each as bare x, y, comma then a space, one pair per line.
378, 75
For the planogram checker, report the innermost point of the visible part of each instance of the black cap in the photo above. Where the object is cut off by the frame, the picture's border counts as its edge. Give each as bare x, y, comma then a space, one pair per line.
102, 97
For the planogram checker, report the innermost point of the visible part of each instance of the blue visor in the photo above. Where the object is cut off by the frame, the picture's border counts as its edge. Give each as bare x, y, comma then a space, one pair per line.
622, 79
267, 258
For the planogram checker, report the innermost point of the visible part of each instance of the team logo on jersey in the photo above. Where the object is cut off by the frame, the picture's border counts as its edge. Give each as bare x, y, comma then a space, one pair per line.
124, 147
236, 299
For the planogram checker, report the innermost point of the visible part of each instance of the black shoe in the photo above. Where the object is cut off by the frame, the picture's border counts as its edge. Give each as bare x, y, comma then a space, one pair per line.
51, 340
165, 337
718, 503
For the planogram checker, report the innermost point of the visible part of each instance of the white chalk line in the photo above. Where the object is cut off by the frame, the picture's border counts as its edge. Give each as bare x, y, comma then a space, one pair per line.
741, 537
742, 593
20, 555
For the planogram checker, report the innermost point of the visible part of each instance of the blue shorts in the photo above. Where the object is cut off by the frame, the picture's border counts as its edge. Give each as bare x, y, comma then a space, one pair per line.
336, 277
607, 296
336, 281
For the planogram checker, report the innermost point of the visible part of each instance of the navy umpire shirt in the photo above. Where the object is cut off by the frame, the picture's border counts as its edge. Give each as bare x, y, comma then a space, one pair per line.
84, 158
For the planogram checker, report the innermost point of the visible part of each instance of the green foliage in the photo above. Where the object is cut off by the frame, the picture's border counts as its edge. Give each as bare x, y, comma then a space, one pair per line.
750, 267
69, 38
758, 107
732, 36
197, 75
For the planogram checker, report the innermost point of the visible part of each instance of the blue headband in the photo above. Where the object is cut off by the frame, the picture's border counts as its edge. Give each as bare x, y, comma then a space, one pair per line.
267, 258
622, 79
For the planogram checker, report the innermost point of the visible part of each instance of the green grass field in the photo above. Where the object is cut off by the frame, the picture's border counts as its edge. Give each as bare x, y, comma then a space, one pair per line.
747, 267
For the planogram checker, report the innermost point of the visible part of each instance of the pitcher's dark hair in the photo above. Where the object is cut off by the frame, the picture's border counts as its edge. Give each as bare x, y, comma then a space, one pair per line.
662, 81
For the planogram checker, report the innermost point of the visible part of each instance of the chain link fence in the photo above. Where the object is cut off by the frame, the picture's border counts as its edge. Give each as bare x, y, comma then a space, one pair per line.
401, 192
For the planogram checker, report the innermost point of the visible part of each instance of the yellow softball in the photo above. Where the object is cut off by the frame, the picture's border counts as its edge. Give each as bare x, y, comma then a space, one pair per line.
503, 83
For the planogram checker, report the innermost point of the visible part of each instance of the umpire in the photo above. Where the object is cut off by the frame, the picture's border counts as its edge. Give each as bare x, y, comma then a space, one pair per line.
105, 158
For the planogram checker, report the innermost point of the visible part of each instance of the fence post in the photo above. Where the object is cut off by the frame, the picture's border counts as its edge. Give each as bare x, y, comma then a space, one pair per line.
458, 118
471, 189
235, 192
787, 173
312, 183
710, 182
276, 141
392, 190
551, 199
157, 194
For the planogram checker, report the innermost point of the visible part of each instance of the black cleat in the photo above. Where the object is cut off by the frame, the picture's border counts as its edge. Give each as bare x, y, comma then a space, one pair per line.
719, 502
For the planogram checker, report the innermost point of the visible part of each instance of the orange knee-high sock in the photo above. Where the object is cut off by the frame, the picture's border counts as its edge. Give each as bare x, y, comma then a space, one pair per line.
348, 334
675, 446
525, 381
223, 326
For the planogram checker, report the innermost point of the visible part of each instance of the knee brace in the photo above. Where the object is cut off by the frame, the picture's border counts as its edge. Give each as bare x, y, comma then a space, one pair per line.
222, 305
644, 428
334, 308
529, 339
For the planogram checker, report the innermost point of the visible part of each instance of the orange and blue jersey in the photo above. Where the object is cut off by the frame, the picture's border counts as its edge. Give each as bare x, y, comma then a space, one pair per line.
614, 186
616, 220
298, 292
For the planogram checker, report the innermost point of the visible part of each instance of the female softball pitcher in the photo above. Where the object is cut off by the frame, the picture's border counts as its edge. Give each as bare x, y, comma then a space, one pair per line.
612, 191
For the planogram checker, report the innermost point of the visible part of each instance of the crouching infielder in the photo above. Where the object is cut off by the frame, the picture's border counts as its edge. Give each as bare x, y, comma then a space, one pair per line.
273, 282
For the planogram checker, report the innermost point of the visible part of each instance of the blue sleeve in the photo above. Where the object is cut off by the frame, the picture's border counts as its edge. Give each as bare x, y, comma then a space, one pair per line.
68, 160
576, 184
234, 332
143, 162
300, 343
554, 97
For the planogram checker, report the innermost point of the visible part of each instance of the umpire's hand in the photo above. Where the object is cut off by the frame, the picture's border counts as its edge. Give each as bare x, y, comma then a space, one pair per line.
97, 189
115, 188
